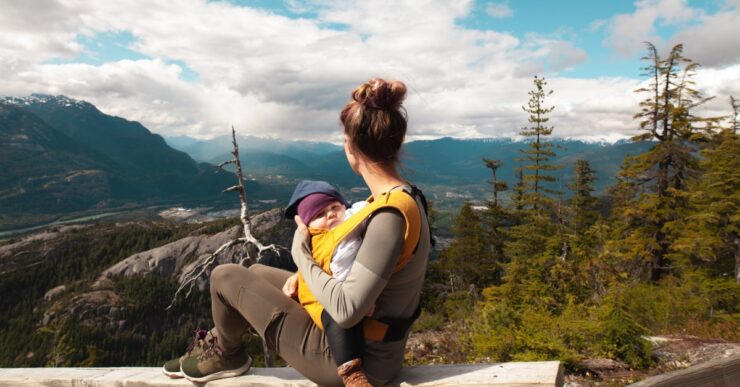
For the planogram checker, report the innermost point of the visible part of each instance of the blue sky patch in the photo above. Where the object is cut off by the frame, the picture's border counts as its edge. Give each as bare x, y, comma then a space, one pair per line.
187, 74
104, 47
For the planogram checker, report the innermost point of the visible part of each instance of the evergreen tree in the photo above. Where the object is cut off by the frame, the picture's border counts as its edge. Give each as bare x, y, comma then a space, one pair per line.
623, 338
583, 204
466, 259
710, 233
650, 111
495, 219
519, 189
667, 118
734, 124
539, 152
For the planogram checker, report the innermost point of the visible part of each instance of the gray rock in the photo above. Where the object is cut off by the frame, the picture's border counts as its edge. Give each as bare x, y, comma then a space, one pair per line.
176, 258
54, 293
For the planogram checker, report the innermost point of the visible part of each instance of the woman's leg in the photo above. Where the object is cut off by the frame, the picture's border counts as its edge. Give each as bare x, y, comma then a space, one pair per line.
254, 295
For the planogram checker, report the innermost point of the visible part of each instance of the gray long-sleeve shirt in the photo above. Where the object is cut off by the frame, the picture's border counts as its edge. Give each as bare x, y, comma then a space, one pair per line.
371, 281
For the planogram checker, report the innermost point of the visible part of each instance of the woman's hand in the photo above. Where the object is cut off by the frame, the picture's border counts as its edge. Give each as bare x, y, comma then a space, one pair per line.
291, 286
301, 226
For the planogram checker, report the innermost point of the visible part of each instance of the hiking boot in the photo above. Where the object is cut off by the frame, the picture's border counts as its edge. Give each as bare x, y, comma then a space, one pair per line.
214, 364
352, 374
197, 346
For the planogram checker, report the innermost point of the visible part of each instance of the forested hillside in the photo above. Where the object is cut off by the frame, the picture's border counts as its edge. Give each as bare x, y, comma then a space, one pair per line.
62, 309
587, 277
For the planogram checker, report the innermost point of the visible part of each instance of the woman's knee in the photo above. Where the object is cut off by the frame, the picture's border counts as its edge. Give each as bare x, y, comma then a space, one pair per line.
258, 269
226, 273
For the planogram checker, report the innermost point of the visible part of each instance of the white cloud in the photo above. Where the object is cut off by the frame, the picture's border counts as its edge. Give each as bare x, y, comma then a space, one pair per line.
597, 25
708, 38
713, 42
721, 84
627, 32
21, 22
499, 10
271, 75
560, 54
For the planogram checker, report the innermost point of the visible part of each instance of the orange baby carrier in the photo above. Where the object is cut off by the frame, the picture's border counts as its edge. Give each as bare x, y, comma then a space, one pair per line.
324, 242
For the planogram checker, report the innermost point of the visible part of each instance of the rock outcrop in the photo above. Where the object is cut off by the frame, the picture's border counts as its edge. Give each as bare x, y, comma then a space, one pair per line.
19, 254
176, 258
99, 305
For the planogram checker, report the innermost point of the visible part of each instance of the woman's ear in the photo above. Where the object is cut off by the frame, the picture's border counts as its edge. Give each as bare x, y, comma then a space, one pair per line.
352, 158
347, 145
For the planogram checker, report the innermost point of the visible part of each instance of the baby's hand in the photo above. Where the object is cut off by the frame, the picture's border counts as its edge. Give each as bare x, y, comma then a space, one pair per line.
372, 309
290, 288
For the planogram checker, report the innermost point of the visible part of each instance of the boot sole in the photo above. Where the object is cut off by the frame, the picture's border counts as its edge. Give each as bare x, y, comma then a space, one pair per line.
173, 375
221, 375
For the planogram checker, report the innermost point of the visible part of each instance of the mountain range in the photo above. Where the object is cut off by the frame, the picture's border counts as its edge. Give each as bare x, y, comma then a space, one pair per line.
445, 161
60, 156
63, 156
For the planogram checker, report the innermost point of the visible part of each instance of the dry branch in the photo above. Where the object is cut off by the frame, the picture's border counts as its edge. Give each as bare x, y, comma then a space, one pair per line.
203, 268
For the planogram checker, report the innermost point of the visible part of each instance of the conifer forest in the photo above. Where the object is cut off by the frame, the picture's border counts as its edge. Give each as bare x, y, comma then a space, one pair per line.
543, 277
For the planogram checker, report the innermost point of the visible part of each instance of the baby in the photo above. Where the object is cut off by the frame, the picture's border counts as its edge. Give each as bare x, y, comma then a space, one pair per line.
321, 206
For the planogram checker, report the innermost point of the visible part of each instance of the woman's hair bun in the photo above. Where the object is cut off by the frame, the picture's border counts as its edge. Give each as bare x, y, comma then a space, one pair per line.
374, 120
380, 94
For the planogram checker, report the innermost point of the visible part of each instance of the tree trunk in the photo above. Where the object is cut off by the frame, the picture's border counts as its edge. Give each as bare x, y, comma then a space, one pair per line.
736, 243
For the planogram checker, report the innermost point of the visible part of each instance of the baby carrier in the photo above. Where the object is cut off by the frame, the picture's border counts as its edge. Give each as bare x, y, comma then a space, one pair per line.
324, 243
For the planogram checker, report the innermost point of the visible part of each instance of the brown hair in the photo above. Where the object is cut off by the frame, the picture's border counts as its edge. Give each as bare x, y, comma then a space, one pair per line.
374, 120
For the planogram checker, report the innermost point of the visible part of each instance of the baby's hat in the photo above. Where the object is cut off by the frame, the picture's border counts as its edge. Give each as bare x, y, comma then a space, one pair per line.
310, 187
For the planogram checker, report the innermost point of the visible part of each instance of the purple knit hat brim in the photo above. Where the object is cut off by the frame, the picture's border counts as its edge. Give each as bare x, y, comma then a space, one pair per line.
311, 205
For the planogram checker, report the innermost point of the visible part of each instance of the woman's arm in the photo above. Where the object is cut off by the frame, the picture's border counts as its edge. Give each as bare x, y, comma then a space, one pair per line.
349, 301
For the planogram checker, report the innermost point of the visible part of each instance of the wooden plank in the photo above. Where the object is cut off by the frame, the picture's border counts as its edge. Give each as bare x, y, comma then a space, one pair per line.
499, 374
714, 373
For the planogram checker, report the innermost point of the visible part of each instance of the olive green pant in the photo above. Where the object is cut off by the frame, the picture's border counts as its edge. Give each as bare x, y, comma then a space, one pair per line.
254, 295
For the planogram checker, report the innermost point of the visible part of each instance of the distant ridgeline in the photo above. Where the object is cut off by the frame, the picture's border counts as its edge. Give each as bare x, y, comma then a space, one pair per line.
63, 156
445, 161
60, 155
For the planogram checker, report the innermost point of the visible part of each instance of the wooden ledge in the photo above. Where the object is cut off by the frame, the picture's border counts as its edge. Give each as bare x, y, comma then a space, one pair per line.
545, 373
715, 373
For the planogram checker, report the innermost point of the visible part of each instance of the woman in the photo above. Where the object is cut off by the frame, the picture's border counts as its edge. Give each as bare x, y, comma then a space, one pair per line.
374, 126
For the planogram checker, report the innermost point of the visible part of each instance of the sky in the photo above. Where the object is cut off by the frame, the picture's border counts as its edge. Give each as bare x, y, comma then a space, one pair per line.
284, 69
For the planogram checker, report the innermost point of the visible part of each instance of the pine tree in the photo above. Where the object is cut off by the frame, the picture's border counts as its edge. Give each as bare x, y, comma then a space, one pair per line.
495, 219
710, 233
734, 124
667, 118
623, 338
466, 259
519, 189
650, 108
539, 153
583, 203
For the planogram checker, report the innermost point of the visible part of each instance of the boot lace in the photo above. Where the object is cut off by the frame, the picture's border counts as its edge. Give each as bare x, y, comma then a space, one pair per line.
213, 349
199, 336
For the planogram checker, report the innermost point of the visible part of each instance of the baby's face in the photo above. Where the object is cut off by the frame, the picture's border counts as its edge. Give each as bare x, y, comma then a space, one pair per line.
330, 216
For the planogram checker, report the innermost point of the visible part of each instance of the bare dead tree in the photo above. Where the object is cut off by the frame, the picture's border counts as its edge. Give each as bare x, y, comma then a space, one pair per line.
202, 269
498, 186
